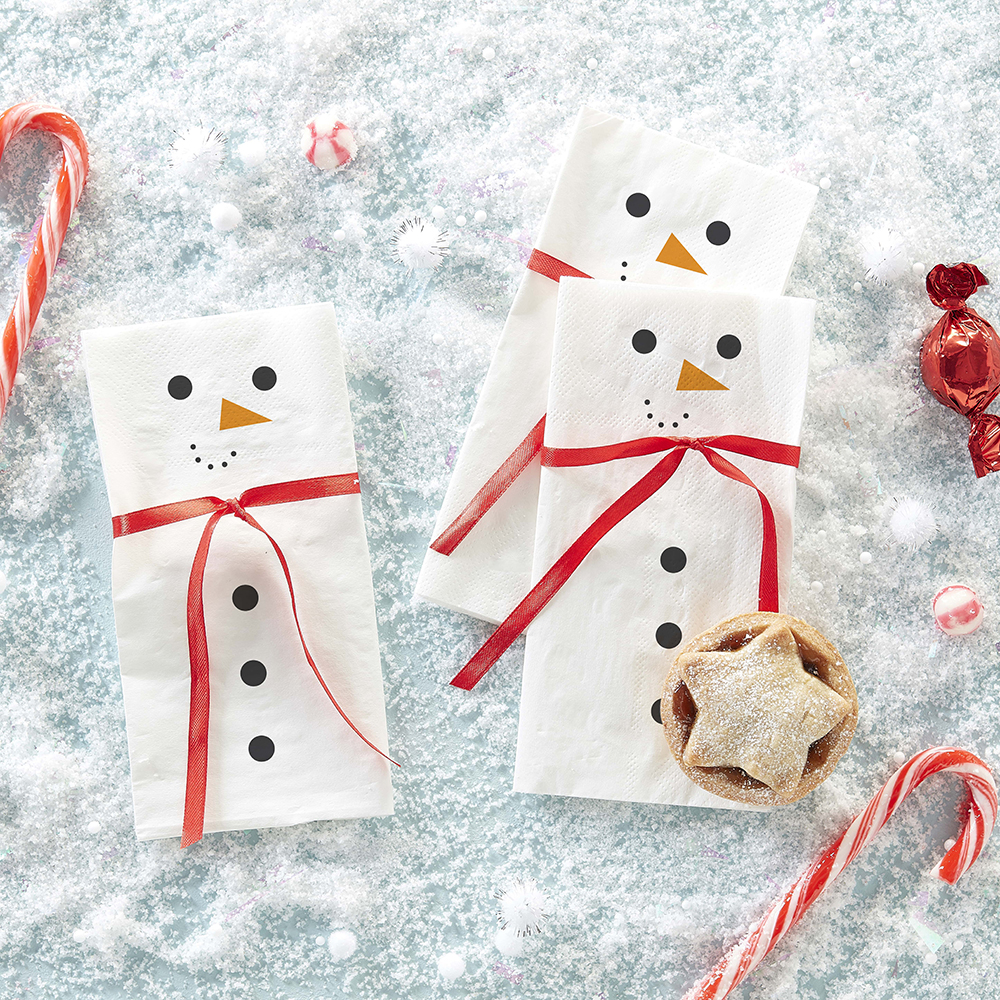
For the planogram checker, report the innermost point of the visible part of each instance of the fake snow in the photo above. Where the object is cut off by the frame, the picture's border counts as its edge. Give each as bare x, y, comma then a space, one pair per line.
644, 899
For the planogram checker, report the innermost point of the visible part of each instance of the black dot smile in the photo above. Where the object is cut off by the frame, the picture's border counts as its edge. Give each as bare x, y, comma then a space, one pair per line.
649, 416
211, 465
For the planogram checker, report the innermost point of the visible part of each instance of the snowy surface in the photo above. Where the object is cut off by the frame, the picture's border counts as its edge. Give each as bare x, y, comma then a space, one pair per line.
895, 104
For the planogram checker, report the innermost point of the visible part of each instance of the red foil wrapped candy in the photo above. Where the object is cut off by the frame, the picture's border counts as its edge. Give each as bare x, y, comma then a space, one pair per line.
960, 360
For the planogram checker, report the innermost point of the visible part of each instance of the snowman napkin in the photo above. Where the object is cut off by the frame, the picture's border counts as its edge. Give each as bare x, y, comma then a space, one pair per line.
245, 706
634, 363
630, 205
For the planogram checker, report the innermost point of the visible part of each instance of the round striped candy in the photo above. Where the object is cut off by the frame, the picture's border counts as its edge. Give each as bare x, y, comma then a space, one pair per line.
745, 956
957, 610
328, 143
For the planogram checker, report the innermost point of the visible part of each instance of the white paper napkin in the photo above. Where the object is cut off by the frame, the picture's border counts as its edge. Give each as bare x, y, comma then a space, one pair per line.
594, 665
158, 447
739, 223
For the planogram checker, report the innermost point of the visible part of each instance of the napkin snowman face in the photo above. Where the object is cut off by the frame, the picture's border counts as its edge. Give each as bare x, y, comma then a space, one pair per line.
213, 407
630, 363
630, 205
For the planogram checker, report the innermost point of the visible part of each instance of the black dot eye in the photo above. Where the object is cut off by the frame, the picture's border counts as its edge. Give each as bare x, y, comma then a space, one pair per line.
728, 346
643, 341
264, 378
717, 233
179, 387
637, 205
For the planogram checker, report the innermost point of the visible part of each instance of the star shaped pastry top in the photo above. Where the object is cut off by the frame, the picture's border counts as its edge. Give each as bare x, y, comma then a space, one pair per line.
758, 709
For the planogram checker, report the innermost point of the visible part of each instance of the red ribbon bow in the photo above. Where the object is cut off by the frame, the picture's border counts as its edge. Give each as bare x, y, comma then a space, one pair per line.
546, 588
183, 510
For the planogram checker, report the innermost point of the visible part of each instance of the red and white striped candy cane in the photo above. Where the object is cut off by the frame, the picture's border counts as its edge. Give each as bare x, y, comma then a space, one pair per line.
745, 956
55, 222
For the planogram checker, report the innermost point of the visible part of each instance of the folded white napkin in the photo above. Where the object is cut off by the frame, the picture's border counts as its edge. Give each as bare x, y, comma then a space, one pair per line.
630, 205
689, 557
213, 407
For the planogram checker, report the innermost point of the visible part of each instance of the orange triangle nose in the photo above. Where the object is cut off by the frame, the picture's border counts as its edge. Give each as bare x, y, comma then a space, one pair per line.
692, 377
674, 252
238, 416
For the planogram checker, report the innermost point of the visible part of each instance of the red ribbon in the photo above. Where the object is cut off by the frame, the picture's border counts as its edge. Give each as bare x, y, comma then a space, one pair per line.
520, 458
170, 513
546, 588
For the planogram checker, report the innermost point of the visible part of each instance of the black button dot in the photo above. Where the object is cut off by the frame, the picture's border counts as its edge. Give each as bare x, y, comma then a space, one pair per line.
624, 263
717, 233
673, 560
224, 464
193, 447
210, 465
245, 597
197, 459
637, 205
686, 415
643, 341
649, 416
646, 401
623, 277
179, 387
261, 748
675, 424
668, 635
253, 673
660, 424
233, 453
264, 378
655, 712
729, 346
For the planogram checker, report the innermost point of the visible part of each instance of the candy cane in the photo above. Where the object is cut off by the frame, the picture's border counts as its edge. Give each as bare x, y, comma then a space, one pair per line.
745, 956
55, 222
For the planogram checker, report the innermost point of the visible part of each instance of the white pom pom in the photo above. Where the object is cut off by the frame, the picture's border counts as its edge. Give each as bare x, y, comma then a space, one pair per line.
912, 523
419, 244
342, 944
253, 152
508, 943
523, 907
225, 216
451, 966
197, 153
883, 256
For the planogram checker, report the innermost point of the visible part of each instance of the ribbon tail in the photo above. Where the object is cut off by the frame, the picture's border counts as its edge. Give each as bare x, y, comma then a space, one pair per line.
546, 588
513, 465
305, 649
197, 761
767, 587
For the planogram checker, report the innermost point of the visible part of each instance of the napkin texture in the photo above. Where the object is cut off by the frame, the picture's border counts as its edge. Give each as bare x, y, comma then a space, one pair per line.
149, 442
689, 190
593, 667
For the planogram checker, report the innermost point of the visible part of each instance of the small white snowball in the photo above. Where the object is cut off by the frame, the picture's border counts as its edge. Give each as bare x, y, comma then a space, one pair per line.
857, 530
460, 220
489, 53
965, 106
225, 216
824, 183
508, 943
253, 152
480, 216
339, 235
438, 338
816, 587
898, 758
930, 958
918, 267
591, 63
215, 932
74, 43
855, 62
916, 332
949, 844
866, 558
20, 378
958, 944
320, 941
857, 286
912, 140
79, 935
821, 533
93, 826
342, 944
451, 966
438, 212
